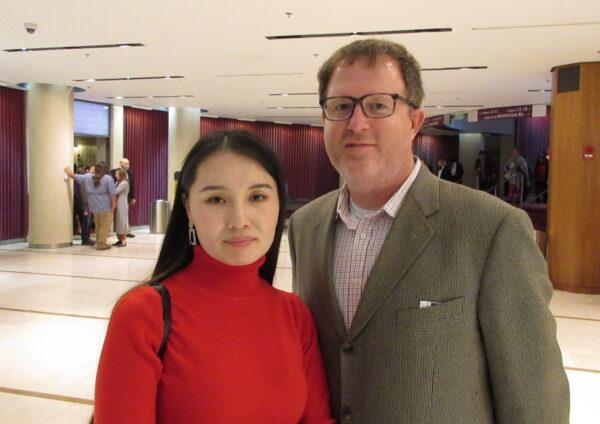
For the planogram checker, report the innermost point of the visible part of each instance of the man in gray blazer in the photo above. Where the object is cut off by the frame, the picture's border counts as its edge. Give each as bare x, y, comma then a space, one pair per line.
431, 299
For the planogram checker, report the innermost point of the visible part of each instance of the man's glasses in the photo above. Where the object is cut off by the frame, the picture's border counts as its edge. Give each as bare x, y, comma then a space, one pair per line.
378, 105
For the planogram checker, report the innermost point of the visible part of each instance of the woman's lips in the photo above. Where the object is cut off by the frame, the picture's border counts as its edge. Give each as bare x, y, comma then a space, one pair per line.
240, 241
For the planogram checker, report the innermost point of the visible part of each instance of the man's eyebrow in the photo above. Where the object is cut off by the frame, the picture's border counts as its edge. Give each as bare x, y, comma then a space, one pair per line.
219, 187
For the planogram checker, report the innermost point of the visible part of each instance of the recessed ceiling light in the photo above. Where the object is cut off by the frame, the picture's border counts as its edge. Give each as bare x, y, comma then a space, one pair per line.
119, 97
90, 80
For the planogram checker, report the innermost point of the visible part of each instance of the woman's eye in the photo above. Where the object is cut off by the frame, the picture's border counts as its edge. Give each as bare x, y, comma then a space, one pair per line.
258, 197
215, 200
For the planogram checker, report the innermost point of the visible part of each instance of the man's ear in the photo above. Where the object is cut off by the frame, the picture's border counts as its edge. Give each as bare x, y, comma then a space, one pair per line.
417, 117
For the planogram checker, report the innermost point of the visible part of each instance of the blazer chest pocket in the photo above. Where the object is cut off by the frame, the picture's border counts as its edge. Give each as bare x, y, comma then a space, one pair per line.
445, 311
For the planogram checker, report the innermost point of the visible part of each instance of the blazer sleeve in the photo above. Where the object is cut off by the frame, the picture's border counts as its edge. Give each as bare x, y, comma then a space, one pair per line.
129, 369
528, 380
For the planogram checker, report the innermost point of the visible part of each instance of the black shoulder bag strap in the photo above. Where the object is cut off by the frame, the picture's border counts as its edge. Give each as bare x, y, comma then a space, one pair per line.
166, 303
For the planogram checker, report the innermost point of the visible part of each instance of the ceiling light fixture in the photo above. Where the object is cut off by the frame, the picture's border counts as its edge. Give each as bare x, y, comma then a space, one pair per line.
260, 75
441, 106
455, 68
89, 47
352, 33
293, 94
131, 78
535, 26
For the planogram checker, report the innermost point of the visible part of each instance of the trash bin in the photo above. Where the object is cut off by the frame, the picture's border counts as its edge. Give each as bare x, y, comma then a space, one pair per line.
160, 210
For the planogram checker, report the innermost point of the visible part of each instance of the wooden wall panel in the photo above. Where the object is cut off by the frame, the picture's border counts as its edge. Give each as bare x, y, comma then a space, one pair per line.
574, 198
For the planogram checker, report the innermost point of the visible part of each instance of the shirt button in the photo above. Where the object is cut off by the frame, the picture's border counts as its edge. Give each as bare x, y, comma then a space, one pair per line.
363, 235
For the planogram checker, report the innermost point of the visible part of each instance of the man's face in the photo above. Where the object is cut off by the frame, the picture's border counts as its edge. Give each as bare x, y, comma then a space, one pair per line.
124, 164
371, 152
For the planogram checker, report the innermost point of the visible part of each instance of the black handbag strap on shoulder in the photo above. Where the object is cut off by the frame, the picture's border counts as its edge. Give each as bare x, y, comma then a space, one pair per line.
166, 303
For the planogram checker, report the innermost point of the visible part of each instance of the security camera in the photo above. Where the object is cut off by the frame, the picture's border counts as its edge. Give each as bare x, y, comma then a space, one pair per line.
30, 27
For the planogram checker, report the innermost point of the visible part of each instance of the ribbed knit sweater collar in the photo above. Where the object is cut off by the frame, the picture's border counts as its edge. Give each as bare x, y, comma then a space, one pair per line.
220, 278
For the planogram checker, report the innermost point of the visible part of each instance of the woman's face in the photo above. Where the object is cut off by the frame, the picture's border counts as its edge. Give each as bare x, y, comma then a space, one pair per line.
233, 204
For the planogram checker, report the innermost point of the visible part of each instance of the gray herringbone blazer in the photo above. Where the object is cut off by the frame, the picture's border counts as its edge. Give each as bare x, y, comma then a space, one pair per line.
487, 354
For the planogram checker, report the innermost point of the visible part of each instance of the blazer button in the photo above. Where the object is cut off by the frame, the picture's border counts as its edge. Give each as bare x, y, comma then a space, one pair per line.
347, 348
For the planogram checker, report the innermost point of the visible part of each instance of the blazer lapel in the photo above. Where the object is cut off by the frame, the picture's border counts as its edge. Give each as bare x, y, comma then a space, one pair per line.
323, 260
409, 235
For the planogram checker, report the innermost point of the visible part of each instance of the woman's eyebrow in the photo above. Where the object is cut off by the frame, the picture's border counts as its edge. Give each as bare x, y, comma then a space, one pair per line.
263, 185
212, 187
220, 187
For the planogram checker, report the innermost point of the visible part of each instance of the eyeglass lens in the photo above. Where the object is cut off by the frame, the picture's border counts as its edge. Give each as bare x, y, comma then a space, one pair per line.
374, 106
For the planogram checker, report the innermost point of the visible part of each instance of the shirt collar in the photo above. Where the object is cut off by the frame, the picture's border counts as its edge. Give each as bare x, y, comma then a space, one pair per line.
391, 207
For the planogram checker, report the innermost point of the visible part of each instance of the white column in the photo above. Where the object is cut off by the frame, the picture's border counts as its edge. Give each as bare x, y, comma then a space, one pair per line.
116, 136
184, 132
49, 150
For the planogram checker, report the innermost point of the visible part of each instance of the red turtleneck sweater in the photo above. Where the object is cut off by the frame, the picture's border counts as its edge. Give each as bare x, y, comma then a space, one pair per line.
239, 351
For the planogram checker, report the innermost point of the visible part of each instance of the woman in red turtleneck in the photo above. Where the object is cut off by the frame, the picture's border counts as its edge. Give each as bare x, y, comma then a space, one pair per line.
239, 350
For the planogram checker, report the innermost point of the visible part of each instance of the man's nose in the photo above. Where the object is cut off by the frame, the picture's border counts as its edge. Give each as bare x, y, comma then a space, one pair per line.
358, 122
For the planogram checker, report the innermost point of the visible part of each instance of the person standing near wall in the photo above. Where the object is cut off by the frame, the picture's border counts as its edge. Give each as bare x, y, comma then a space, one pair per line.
102, 200
81, 209
124, 165
122, 215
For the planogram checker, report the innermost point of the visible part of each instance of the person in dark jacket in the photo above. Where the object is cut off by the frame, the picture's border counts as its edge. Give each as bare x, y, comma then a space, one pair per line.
81, 210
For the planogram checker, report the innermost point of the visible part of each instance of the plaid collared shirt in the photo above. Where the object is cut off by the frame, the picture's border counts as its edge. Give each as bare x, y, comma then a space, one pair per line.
357, 245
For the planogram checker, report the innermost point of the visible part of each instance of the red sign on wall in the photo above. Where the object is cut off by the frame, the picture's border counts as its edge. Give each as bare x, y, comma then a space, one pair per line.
588, 152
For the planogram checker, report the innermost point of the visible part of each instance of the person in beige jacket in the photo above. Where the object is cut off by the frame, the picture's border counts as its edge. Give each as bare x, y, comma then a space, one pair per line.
431, 299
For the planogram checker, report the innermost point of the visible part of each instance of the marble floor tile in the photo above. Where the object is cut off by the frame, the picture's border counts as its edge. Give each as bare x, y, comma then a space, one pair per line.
575, 305
579, 342
60, 294
20, 409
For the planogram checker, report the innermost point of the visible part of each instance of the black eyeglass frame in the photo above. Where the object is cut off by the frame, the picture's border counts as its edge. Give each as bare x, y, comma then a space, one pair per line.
358, 100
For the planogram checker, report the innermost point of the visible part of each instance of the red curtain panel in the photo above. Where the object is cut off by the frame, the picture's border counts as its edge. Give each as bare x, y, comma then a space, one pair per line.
13, 165
145, 144
300, 149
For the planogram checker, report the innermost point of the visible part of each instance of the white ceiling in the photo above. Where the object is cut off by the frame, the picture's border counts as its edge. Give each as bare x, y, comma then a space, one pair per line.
202, 40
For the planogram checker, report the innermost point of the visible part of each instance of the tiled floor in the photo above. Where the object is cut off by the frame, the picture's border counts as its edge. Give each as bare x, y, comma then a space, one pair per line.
54, 306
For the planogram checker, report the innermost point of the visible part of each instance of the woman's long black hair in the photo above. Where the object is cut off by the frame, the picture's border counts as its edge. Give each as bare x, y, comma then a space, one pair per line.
176, 251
